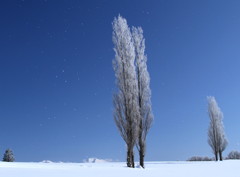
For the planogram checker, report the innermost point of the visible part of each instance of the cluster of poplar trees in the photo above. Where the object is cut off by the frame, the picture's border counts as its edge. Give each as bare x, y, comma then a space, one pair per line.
132, 104
132, 101
216, 134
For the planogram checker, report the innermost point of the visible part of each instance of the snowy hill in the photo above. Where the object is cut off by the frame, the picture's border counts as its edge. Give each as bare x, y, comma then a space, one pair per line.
228, 168
96, 160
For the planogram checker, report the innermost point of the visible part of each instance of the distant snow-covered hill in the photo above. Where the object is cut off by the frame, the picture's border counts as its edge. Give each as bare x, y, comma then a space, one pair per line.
96, 160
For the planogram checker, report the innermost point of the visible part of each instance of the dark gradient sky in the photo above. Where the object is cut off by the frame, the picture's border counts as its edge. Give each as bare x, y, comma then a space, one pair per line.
57, 81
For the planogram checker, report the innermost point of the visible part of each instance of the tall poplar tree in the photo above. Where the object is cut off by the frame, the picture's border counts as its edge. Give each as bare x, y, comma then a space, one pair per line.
216, 135
144, 92
126, 108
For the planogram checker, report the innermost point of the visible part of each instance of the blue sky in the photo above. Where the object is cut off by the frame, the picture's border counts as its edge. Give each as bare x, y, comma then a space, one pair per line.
57, 79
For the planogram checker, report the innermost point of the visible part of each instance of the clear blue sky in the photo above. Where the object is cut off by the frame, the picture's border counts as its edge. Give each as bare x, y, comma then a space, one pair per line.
57, 79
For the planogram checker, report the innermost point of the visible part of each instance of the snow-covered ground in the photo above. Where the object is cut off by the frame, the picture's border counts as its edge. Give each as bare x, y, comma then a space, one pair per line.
228, 168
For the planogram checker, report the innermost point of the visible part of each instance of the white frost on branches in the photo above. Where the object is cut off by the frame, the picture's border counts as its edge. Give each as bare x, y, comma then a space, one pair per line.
126, 113
144, 91
132, 104
216, 135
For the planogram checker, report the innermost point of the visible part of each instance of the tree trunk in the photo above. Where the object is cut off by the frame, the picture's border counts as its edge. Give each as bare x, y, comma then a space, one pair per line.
133, 165
129, 164
216, 156
141, 156
130, 158
141, 143
220, 155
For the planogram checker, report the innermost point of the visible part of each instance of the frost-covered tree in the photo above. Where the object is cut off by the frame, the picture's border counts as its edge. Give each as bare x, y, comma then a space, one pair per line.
216, 135
222, 141
126, 111
144, 92
213, 113
8, 156
233, 155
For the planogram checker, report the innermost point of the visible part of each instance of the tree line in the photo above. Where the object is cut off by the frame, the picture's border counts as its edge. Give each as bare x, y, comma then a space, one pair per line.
233, 155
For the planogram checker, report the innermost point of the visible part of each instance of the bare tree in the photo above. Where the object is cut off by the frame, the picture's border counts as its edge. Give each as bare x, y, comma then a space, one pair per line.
126, 111
144, 92
216, 134
198, 158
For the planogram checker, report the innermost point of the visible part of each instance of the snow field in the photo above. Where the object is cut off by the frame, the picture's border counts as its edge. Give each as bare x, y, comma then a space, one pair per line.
228, 168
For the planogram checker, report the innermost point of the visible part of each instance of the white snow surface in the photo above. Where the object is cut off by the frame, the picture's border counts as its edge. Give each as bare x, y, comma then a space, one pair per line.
228, 168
